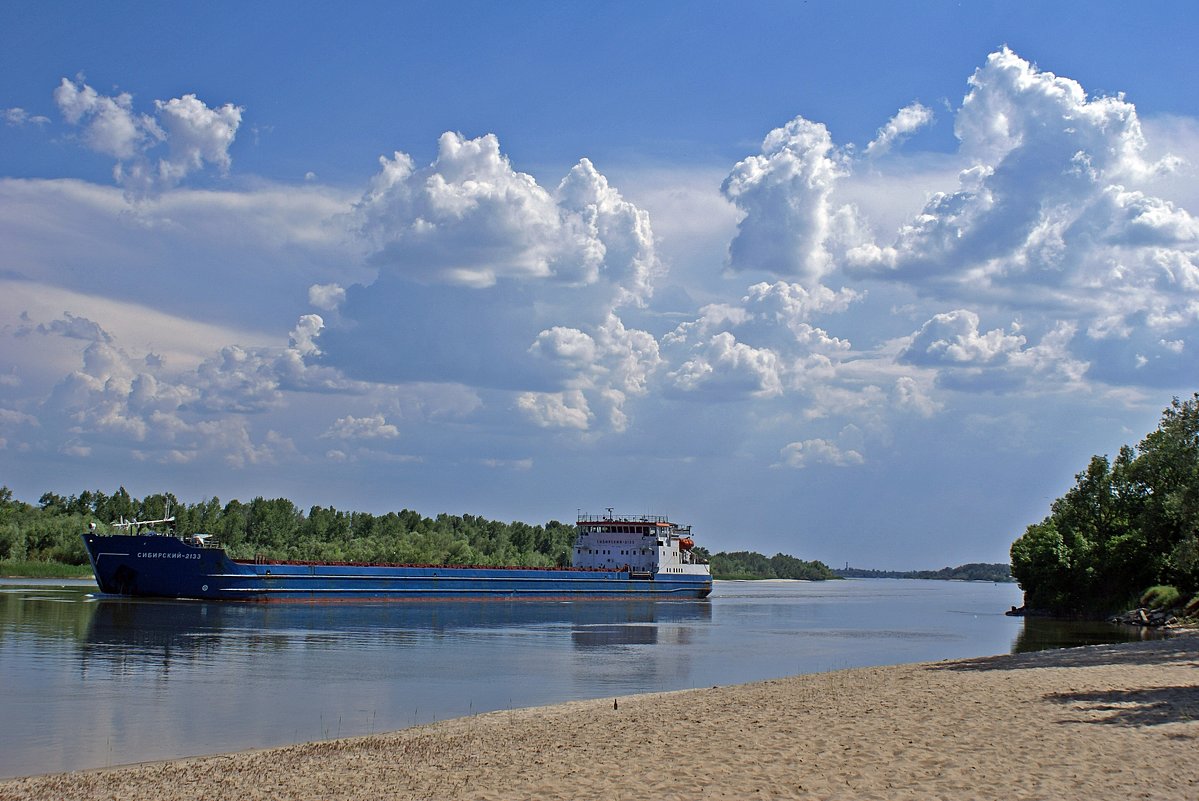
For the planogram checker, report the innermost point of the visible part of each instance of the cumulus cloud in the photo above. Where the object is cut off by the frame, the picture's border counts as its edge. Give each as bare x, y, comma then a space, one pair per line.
954, 338
909, 394
620, 229
362, 428
17, 117
1050, 218
470, 219
122, 400
556, 409
762, 347
970, 358
109, 125
810, 452
193, 133
568, 346
326, 296
782, 306
728, 368
907, 121
489, 279
785, 195
1047, 159
69, 325
607, 367
196, 135
303, 337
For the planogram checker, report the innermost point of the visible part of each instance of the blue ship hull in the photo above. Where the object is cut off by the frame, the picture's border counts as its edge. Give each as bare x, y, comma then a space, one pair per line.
167, 567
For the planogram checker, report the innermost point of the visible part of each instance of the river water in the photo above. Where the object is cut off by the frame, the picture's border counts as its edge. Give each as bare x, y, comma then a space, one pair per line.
89, 682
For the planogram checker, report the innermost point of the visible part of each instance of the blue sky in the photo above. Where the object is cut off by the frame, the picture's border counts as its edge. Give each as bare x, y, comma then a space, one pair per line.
859, 282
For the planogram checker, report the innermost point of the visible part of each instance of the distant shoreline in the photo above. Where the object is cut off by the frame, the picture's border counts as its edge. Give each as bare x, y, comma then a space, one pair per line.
975, 571
1051, 724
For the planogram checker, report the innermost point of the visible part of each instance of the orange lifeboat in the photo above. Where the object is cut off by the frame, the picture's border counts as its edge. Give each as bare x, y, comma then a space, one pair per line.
686, 544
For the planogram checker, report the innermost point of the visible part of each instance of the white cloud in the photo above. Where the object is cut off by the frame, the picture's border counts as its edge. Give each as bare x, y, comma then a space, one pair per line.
118, 400
569, 346
326, 296
811, 452
765, 346
968, 358
508, 464
372, 427
1052, 221
953, 338
556, 409
785, 194
109, 124
726, 368
303, 337
790, 307
17, 117
1042, 188
469, 219
194, 134
488, 279
906, 121
909, 394
616, 227
608, 367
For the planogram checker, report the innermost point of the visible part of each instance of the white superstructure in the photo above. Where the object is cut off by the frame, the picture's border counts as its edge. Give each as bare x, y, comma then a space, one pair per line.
644, 544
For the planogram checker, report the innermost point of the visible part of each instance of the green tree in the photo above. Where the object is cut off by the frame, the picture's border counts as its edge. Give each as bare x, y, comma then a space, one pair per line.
1042, 564
1123, 527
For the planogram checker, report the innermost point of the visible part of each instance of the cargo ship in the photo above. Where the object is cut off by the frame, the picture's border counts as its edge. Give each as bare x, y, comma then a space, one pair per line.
614, 556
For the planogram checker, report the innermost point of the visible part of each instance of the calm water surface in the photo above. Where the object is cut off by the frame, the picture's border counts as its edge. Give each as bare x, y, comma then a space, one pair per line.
89, 682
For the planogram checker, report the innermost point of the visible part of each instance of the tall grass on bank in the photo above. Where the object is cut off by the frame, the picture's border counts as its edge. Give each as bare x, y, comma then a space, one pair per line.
1161, 597
19, 568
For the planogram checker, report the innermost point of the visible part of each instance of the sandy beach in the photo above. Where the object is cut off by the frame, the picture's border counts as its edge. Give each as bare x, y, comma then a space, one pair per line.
1106, 722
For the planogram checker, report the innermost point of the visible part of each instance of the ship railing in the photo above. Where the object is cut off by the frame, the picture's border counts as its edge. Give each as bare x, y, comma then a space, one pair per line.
139, 527
617, 518
135, 526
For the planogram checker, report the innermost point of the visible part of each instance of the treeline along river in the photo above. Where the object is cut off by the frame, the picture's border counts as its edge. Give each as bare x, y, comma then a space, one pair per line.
91, 682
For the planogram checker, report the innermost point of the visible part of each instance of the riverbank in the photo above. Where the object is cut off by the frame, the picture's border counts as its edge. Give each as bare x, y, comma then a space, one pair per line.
14, 568
1105, 722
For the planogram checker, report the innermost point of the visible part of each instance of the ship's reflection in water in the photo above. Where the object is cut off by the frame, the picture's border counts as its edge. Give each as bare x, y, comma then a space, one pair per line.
607, 636
152, 633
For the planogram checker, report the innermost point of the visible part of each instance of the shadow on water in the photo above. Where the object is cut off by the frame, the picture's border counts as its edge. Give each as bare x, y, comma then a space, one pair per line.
1040, 633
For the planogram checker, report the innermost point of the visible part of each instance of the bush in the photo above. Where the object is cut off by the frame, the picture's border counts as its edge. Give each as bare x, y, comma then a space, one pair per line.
1192, 607
1162, 596
12, 542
